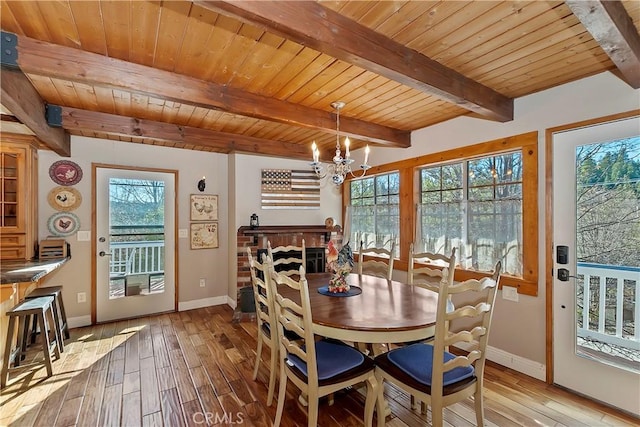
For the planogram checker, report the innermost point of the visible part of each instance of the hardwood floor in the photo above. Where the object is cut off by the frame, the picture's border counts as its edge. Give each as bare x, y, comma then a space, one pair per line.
194, 368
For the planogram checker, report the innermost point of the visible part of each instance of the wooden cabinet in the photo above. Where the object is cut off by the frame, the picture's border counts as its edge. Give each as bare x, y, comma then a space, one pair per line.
18, 196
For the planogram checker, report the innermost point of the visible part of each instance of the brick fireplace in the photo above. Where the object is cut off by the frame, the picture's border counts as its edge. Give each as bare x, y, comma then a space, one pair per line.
315, 238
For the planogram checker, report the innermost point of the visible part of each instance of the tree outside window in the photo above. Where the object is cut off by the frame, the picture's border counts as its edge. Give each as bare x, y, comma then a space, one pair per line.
475, 206
375, 210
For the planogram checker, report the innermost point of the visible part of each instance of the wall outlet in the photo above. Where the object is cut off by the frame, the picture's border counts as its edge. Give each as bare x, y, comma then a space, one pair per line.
183, 233
202, 283
82, 297
83, 236
510, 293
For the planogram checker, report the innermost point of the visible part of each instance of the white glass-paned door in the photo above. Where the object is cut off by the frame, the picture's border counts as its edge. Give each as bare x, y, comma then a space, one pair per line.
135, 224
596, 293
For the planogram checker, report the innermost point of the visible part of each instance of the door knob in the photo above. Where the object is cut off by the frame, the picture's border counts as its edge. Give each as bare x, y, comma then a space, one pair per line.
103, 253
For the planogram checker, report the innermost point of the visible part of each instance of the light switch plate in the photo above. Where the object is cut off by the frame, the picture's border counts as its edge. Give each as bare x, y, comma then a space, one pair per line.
83, 236
183, 233
510, 293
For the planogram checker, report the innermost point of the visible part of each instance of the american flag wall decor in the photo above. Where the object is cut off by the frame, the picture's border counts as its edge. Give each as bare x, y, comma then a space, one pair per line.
286, 189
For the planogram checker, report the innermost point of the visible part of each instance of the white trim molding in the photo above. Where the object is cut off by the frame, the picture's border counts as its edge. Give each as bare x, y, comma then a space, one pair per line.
205, 302
78, 322
517, 363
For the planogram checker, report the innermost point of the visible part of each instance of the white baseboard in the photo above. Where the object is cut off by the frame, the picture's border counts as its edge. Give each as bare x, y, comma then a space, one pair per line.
517, 363
232, 302
78, 322
199, 303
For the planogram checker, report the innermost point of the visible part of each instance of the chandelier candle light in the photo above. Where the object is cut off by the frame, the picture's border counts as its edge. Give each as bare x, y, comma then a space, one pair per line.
341, 166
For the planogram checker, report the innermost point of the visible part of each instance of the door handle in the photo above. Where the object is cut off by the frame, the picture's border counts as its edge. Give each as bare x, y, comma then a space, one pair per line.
564, 275
103, 253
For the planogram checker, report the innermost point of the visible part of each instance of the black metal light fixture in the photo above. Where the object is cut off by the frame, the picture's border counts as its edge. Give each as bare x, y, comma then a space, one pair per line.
254, 222
202, 184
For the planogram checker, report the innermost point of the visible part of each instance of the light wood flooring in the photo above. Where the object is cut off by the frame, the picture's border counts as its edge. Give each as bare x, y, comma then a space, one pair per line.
195, 366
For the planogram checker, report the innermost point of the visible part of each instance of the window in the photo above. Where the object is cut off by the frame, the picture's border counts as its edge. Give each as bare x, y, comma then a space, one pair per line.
375, 210
481, 199
475, 206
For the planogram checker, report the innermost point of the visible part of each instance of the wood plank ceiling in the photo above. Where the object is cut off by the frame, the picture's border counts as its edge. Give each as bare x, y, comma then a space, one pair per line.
261, 77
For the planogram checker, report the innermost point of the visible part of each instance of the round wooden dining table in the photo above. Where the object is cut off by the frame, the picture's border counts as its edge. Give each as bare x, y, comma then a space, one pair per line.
385, 312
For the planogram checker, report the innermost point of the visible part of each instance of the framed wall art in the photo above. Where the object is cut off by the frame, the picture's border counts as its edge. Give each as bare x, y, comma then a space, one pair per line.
204, 235
204, 207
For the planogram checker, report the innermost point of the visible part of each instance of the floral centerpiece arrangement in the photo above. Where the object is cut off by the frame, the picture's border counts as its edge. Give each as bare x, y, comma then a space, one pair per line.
339, 263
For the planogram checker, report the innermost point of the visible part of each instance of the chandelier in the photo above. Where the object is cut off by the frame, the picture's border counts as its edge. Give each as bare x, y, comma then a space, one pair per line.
341, 166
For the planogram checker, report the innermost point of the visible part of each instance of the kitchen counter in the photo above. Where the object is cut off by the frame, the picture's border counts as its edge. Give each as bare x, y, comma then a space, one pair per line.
20, 271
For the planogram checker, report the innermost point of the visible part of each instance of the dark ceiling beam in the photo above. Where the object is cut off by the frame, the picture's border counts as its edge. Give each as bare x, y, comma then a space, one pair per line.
21, 98
311, 24
8, 118
54, 61
75, 119
611, 26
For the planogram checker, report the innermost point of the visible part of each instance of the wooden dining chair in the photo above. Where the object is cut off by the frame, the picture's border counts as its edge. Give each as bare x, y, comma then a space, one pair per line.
316, 367
287, 259
265, 317
426, 269
381, 266
433, 374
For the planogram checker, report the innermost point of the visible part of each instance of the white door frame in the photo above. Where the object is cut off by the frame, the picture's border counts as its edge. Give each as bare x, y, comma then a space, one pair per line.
94, 231
549, 228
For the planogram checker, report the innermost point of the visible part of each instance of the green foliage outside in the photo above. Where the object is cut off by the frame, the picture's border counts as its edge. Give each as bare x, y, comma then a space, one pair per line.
608, 203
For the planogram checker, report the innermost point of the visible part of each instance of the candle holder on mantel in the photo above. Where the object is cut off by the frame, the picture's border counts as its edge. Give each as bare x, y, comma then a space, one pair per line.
254, 222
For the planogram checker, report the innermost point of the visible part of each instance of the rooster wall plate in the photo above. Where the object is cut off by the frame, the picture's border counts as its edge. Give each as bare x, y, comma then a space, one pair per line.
63, 224
65, 172
64, 198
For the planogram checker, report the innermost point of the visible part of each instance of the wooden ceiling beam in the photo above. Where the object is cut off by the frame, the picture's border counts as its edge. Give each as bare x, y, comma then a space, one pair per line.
311, 24
75, 119
611, 26
24, 102
54, 61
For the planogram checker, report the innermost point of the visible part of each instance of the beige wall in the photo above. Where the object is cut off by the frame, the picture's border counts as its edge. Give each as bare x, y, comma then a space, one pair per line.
244, 179
210, 264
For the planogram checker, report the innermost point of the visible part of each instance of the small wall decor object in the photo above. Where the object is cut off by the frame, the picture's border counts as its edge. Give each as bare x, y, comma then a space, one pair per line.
204, 235
204, 207
63, 224
65, 172
52, 249
202, 184
254, 222
64, 198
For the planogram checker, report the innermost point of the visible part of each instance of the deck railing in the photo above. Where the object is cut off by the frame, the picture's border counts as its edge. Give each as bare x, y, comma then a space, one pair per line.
145, 257
608, 299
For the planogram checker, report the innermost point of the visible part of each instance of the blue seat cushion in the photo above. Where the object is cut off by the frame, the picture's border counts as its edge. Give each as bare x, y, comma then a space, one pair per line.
332, 359
416, 360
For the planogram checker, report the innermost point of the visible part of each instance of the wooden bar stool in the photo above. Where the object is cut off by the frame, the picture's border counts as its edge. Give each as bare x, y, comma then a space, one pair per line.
58, 308
40, 307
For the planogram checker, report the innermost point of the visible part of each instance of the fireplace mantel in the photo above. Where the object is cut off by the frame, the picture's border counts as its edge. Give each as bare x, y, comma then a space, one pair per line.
285, 229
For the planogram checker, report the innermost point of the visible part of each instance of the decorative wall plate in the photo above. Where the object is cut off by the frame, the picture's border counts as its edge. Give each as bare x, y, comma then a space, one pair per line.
64, 198
63, 224
65, 172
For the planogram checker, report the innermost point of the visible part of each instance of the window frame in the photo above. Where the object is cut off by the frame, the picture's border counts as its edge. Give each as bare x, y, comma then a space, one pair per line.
408, 169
